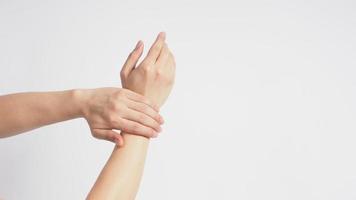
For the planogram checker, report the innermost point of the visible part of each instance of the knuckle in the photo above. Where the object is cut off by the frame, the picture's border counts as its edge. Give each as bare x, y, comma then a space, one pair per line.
146, 68
123, 74
95, 134
159, 73
163, 76
119, 94
113, 119
114, 106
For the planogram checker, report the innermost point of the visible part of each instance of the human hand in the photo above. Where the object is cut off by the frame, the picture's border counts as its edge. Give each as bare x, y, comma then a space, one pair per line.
109, 109
154, 76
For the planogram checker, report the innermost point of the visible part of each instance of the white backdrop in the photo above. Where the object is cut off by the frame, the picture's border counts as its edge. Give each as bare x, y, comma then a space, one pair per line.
264, 105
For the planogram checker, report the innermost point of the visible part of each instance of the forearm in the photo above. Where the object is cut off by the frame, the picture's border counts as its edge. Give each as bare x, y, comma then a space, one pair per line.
25, 111
120, 177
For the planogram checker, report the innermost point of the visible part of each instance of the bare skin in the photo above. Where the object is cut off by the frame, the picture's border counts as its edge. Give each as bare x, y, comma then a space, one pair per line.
105, 109
153, 78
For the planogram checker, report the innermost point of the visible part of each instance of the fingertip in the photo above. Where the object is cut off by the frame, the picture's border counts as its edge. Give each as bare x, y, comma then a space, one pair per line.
119, 141
140, 45
156, 107
138, 50
162, 35
158, 129
154, 134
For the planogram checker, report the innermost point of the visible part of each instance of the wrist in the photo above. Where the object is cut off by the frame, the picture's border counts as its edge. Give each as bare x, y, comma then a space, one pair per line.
80, 98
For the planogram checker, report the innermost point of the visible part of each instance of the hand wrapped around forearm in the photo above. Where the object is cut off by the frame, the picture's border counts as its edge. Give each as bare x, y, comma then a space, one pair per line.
109, 109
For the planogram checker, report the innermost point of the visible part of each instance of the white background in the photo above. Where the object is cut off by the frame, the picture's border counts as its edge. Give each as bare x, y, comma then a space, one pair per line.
264, 105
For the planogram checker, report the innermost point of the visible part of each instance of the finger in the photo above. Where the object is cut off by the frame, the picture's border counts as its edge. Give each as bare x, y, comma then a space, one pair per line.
137, 129
140, 98
141, 118
119, 138
155, 49
132, 59
147, 110
109, 135
163, 56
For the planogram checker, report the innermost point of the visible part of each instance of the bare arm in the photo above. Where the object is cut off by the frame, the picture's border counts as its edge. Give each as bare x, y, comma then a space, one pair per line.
105, 109
122, 173
25, 111
120, 177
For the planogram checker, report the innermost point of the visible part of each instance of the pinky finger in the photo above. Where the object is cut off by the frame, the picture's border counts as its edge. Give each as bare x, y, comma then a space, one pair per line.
138, 129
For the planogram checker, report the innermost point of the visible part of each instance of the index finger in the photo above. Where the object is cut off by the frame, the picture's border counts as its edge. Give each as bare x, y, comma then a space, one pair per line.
156, 47
140, 98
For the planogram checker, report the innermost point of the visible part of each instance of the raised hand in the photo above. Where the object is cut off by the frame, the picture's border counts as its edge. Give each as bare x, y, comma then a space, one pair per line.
154, 76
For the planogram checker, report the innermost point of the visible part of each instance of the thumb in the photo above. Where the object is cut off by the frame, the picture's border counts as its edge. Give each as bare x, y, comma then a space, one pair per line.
109, 135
